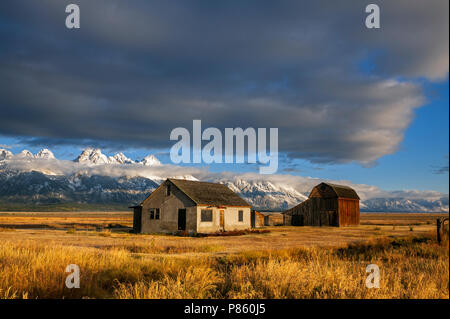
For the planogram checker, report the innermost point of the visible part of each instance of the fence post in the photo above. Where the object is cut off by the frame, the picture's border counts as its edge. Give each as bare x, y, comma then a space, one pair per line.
438, 226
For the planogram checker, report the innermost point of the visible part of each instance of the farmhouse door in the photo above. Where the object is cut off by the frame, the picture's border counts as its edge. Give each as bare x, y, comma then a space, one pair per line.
252, 219
222, 219
182, 219
137, 219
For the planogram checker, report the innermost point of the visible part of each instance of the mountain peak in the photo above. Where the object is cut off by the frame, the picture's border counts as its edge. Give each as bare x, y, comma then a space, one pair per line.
92, 156
120, 158
25, 154
150, 160
5, 154
45, 154
95, 156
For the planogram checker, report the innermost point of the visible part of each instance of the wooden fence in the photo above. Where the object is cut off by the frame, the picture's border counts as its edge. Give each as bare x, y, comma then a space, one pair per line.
440, 225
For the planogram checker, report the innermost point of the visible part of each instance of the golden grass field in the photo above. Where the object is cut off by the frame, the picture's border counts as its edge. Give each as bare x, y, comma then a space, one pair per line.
288, 262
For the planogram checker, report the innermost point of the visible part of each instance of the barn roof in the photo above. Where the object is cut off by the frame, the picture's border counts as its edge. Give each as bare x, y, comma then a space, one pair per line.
341, 190
204, 193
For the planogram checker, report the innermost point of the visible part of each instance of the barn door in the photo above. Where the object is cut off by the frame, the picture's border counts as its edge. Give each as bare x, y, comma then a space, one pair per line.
222, 219
297, 220
323, 219
332, 217
182, 219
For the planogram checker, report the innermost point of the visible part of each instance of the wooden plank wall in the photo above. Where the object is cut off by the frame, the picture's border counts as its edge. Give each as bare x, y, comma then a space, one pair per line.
348, 212
315, 211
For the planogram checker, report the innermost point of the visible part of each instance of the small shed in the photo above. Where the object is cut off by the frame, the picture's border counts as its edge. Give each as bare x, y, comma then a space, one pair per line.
273, 219
257, 219
327, 205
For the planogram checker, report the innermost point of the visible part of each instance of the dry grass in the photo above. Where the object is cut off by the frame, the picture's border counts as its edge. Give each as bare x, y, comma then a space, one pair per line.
410, 219
80, 221
288, 262
199, 282
410, 268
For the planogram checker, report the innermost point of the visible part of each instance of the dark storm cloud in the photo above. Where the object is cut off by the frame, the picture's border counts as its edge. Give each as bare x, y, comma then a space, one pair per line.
137, 69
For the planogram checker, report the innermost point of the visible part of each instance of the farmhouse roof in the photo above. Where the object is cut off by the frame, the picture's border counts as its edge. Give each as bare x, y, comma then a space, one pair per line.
204, 193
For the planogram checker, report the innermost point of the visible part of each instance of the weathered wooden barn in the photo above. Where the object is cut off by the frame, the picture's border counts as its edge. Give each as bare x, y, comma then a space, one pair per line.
327, 205
192, 206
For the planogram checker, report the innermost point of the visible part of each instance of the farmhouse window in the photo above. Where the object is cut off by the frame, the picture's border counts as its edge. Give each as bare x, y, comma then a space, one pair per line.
206, 215
157, 213
168, 190
152, 214
241, 215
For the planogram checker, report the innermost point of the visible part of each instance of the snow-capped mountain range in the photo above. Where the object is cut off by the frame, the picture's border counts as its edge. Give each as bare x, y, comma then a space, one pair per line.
43, 154
88, 156
266, 194
95, 156
94, 178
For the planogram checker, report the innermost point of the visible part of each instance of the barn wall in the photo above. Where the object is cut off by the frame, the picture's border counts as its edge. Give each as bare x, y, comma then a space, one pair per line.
315, 211
231, 219
348, 212
168, 206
